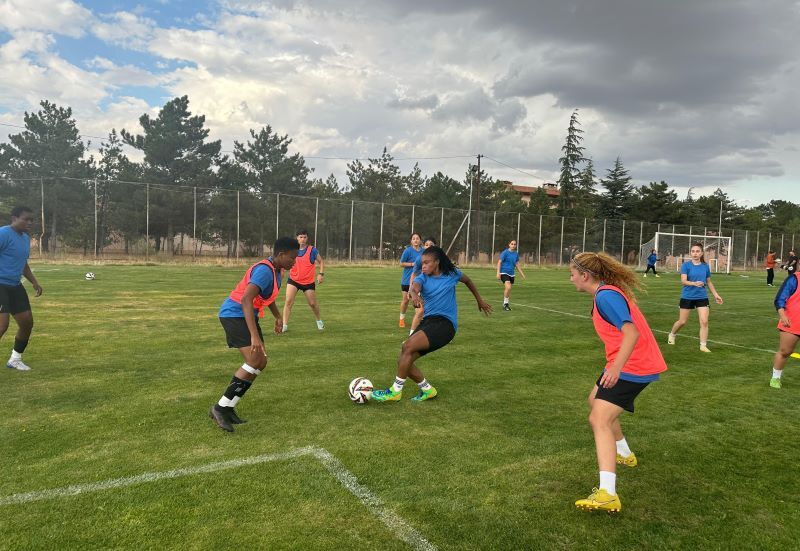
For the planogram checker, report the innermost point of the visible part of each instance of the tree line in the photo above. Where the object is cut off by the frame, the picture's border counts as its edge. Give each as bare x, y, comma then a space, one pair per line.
187, 171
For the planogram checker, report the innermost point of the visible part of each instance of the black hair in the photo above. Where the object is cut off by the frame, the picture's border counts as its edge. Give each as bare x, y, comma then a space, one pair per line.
16, 212
446, 265
285, 244
301, 231
431, 239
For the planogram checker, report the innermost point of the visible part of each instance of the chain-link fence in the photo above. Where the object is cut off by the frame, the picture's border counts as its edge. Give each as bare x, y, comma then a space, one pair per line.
111, 219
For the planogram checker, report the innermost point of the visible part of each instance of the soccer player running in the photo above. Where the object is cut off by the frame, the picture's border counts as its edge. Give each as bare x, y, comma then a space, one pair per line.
435, 290
506, 266
651, 263
410, 254
419, 311
633, 361
787, 303
239, 318
301, 278
15, 248
695, 278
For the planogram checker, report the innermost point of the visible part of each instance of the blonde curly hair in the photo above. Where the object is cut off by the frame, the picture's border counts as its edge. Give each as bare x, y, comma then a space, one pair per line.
609, 270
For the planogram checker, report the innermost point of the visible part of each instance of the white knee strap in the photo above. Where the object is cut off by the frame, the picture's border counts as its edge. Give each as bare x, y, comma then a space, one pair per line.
251, 370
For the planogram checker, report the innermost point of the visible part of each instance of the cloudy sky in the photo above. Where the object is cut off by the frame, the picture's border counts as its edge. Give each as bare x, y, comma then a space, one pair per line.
696, 93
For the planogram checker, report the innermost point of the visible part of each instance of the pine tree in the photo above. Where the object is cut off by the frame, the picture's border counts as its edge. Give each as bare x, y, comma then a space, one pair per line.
616, 201
572, 157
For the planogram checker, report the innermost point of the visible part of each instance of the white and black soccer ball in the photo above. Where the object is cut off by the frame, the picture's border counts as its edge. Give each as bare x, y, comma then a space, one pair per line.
360, 390
89, 276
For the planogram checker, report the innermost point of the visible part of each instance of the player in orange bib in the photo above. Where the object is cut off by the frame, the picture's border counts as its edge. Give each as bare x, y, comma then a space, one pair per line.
787, 303
301, 278
633, 360
239, 315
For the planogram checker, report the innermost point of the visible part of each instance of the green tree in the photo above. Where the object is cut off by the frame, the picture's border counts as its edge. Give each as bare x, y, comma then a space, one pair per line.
379, 180
177, 157
51, 148
586, 193
656, 203
268, 166
572, 156
616, 201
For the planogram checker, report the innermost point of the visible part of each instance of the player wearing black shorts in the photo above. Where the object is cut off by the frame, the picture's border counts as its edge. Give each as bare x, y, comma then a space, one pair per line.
301, 279
15, 248
239, 315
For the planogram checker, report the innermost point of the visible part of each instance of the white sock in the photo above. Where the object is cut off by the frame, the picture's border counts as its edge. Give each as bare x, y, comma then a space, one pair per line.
15, 355
235, 400
703, 343
622, 448
285, 326
411, 332
608, 482
672, 335
776, 373
424, 385
505, 300
398, 384
402, 316
224, 402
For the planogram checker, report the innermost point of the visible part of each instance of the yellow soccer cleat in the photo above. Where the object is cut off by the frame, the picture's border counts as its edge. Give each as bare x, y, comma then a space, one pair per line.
600, 500
629, 461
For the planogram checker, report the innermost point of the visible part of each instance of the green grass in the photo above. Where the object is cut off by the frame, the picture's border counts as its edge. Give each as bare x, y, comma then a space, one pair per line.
125, 368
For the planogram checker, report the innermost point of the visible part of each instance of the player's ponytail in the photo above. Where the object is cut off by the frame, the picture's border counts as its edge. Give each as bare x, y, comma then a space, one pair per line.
446, 265
703, 254
608, 269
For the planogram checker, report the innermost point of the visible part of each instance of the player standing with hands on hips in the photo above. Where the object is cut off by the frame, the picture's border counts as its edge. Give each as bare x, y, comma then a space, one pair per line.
506, 270
633, 360
15, 248
695, 278
239, 315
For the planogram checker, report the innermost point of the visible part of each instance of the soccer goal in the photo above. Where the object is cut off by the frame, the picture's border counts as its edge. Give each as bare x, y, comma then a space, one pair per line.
673, 250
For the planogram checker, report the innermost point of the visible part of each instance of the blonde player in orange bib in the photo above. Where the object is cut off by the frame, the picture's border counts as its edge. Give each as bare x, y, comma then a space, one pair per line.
302, 279
633, 360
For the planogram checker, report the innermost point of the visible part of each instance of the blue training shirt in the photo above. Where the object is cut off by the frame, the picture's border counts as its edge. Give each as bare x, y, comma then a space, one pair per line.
261, 276
15, 248
312, 257
508, 262
439, 295
788, 288
614, 309
651, 260
409, 255
695, 272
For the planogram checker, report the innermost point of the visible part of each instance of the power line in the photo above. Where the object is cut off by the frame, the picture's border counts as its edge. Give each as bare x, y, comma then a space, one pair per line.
515, 168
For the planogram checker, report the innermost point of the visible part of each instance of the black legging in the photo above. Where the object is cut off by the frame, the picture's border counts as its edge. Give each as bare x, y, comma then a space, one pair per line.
770, 276
651, 267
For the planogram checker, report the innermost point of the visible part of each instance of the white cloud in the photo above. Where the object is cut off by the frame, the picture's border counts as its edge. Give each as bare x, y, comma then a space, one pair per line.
56, 16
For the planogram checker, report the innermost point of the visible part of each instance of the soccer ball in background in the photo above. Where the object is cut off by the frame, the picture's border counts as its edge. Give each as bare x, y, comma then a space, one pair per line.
89, 276
360, 390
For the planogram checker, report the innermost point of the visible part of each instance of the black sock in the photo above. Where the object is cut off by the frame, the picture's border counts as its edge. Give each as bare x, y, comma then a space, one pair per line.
237, 388
19, 346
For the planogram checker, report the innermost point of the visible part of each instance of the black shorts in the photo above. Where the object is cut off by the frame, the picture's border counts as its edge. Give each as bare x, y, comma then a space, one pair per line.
439, 331
14, 299
302, 288
506, 277
621, 394
691, 304
236, 332
404, 288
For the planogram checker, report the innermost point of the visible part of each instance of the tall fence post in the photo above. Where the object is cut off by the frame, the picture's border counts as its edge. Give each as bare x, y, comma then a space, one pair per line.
561, 245
672, 247
441, 229
147, 223
603, 248
494, 229
781, 245
622, 245
194, 221
95, 218
41, 237
583, 246
350, 247
380, 245
316, 221
769, 241
539, 247
237, 224
277, 215
745, 248
519, 219
413, 216
758, 238
641, 236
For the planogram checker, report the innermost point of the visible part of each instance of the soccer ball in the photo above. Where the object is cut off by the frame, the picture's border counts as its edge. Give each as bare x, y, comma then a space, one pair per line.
89, 276
360, 390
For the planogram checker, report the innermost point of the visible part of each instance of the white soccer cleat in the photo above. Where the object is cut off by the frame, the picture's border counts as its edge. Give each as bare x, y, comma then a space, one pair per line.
704, 348
670, 339
18, 365
285, 329
320, 325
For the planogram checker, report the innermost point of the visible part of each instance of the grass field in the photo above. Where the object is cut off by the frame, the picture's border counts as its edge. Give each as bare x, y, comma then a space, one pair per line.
125, 368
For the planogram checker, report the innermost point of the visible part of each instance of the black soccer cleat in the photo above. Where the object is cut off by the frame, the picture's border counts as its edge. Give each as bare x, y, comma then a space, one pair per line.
507, 307
220, 418
234, 417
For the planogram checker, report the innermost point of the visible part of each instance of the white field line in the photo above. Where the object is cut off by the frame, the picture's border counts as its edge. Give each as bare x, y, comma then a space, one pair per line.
653, 330
399, 527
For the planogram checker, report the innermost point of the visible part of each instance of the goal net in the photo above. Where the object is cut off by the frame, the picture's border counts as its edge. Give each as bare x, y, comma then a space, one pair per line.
673, 250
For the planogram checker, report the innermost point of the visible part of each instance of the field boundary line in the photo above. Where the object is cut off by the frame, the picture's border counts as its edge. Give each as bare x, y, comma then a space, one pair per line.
396, 524
721, 343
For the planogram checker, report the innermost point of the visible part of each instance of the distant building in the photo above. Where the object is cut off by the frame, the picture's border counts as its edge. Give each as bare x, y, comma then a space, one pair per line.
525, 192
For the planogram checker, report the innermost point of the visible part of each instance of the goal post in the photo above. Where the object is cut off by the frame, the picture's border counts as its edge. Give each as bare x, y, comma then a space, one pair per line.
673, 249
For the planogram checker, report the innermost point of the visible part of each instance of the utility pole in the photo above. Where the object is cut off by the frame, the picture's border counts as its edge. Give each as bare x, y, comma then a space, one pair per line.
478, 208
